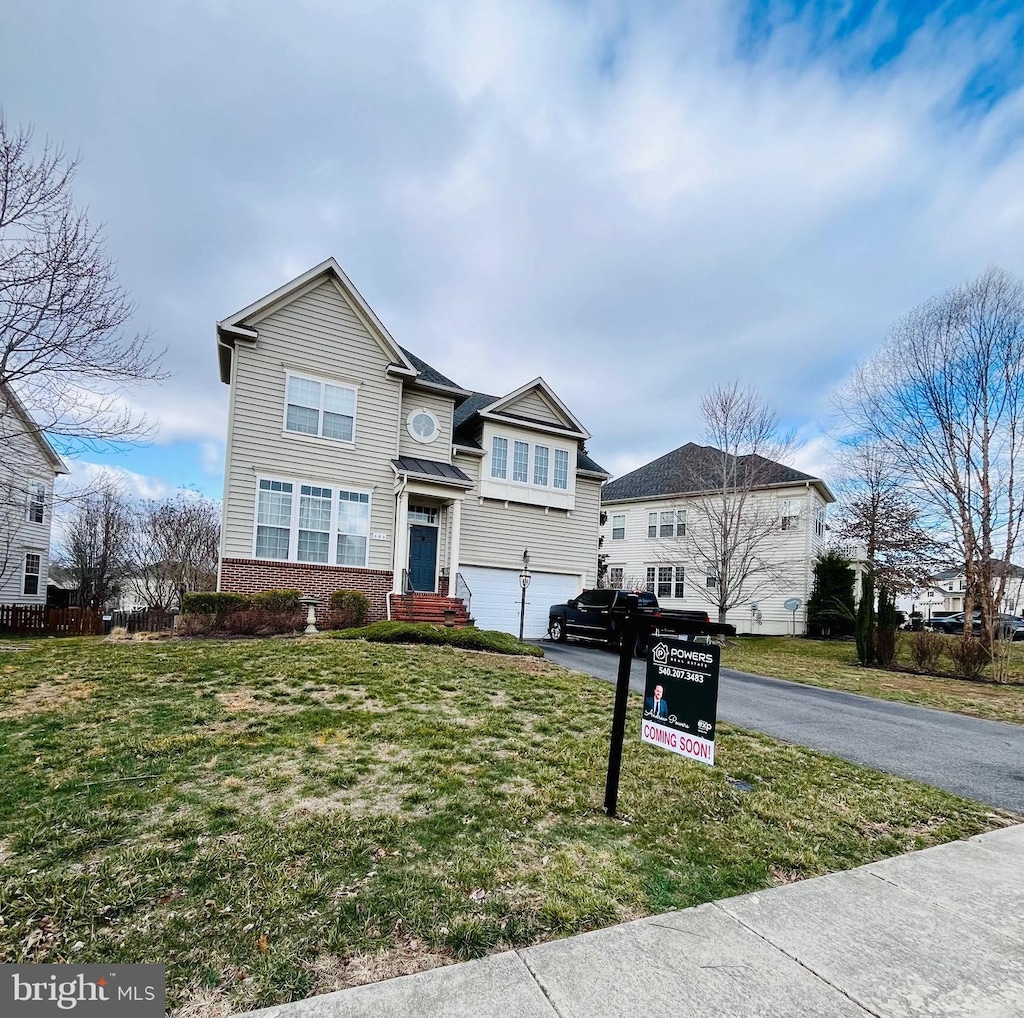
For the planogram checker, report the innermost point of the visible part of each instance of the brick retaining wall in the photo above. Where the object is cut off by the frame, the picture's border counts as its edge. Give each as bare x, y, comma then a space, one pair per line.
249, 576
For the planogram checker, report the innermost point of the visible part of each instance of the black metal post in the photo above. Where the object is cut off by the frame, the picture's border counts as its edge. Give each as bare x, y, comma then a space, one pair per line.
522, 608
627, 640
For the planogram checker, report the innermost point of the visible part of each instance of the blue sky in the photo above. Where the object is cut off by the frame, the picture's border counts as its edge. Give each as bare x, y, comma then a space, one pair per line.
635, 200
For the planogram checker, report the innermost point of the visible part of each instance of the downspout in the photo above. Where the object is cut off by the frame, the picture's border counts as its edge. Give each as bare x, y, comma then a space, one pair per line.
227, 459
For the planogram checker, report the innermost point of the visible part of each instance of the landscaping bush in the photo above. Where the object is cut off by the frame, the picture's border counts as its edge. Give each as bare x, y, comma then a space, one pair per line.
969, 656
277, 601
347, 609
926, 650
211, 602
196, 625
424, 632
259, 622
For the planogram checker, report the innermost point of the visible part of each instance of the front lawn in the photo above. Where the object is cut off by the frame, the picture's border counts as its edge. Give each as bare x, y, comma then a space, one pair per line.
278, 818
833, 664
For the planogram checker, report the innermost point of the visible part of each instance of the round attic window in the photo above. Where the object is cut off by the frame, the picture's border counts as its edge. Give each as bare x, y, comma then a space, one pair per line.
422, 425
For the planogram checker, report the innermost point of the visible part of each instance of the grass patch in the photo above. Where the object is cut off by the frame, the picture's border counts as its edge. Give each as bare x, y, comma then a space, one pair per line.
833, 664
272, 819
468, 638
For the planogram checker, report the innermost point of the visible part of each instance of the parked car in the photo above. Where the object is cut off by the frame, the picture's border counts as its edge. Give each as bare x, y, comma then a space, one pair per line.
1008, 627
600, 614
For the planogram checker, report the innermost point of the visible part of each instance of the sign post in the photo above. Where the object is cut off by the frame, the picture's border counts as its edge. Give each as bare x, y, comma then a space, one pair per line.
681, 698
627, 638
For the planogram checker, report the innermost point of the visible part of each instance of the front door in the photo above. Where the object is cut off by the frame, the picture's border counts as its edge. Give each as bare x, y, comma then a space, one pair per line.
422, 557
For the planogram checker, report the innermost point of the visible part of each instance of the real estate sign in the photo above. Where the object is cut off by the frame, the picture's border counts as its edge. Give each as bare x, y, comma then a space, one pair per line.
681, 697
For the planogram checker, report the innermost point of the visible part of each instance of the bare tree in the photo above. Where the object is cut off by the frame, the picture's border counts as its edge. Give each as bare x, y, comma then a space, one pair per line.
174, 547
731, 516
62, 311
95, 546
944, 399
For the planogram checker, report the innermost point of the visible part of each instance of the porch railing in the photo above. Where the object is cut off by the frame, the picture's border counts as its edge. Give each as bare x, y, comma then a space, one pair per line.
462, 590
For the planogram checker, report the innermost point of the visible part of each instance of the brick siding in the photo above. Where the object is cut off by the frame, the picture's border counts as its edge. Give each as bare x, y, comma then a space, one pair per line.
249, 576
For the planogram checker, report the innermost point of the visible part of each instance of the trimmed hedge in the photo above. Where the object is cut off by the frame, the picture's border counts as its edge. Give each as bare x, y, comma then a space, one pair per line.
348, 609
276, 601
212, 602
424, 632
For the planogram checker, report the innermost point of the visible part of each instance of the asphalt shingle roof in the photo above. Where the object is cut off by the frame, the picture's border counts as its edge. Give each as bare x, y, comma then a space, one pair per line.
692, 468
427, 372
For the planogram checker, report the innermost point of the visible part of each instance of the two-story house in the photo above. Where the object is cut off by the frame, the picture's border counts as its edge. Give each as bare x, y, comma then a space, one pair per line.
949, 588
28, 468
353, 464
658, 533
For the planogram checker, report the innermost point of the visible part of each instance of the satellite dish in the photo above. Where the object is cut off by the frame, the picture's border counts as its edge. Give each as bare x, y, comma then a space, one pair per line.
792, 604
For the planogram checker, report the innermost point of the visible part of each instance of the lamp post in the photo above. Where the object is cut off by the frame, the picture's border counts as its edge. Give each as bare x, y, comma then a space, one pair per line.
524, 582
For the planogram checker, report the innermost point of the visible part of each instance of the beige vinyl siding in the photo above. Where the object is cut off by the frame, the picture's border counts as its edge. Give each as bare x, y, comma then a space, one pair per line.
791, 550
318, 334
440, 449
496, 535
532, 404
23, 463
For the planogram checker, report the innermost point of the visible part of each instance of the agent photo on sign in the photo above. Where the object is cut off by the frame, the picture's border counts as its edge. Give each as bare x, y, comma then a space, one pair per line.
654, 706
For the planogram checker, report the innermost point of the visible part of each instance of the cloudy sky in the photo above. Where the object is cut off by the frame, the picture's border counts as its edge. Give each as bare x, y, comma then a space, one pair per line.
636, 200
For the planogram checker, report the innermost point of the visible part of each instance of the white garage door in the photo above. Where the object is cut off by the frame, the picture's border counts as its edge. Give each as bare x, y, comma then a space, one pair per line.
496, 593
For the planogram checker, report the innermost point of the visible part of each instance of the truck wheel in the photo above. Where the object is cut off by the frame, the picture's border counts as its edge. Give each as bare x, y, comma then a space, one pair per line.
556, 628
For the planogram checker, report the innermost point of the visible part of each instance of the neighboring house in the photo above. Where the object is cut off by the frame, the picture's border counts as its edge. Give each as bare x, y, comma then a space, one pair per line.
28, 468
648, 537
353, 464
950, 587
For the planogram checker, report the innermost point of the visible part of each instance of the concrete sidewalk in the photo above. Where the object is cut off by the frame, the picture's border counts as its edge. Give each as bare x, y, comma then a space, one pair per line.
934, 933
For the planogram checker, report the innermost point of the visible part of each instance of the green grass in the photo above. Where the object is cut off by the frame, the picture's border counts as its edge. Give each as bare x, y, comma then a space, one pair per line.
276, 818
833, 664
468, 638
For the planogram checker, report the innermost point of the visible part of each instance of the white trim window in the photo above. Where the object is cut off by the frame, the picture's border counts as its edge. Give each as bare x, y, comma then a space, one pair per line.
667, 581
33, 570
666, 524
499, 457
316, 407
314, 523
819, 521
711, 580
561, 472
35, 512
789, 510
619, 527
541, 455
521, 462
353, 528
615, 576
307, 528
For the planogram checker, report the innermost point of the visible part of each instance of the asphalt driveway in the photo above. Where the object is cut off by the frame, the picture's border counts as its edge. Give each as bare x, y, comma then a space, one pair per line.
981, 760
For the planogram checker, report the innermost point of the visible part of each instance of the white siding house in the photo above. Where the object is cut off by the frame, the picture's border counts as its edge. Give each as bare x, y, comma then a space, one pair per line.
653, 527
352, 463
28, 467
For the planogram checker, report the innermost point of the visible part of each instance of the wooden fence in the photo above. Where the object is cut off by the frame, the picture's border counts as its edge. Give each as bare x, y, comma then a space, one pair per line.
38, 620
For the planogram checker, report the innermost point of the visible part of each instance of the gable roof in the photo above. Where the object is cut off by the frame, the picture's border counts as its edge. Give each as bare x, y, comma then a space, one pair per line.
504, 407
1000, 567
428, 373
694, 468
10, 397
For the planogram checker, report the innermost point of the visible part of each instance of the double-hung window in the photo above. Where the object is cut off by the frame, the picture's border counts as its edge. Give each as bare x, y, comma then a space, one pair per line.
712, 578
320, 408
540, 465
789, 509
670, 581
273, 519
314, 523
499, 457
33, 569
615, 577
561, 472
36, 502
521, 462
619, 527
667, 524
353, 527
322, 525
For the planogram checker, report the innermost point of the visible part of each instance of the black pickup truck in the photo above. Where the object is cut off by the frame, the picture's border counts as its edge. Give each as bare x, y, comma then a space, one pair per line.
599, 615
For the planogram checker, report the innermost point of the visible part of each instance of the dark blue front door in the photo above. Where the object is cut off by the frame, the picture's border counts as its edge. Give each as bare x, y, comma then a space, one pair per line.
422, 557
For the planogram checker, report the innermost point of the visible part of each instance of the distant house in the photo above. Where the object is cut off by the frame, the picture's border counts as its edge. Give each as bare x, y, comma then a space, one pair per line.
648, 536
352, 463
950, 586
28, 469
